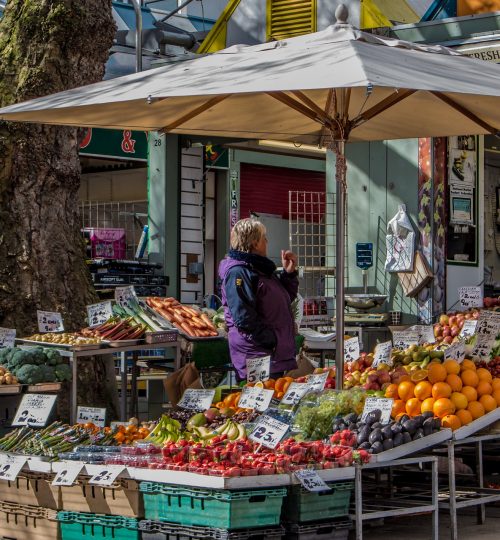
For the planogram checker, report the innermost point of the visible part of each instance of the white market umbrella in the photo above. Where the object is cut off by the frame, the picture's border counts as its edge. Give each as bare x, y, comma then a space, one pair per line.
325, 88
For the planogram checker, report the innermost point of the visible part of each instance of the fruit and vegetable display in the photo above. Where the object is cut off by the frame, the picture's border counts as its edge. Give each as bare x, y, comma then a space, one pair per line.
449, 325
65, 338
34, 365
6, 377
116, 329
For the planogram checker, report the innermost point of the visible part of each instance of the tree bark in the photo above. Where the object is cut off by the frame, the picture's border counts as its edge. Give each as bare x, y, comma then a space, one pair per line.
46, 46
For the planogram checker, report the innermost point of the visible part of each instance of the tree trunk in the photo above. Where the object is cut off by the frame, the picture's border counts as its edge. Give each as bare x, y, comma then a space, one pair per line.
46, 46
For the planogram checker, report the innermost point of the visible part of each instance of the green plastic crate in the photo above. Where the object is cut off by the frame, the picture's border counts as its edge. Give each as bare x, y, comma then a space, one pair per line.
301, 505
212, 508
79, 525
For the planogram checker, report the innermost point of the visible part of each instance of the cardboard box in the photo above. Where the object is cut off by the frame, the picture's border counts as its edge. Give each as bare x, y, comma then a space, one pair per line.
24, 522
32, 489
122, 498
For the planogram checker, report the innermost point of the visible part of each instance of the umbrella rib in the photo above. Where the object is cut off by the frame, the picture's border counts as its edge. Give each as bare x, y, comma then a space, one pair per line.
195, 112
382, 106
310, 103
299, 107
470, 115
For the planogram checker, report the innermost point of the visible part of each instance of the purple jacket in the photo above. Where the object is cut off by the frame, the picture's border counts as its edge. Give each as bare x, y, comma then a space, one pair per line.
257, 310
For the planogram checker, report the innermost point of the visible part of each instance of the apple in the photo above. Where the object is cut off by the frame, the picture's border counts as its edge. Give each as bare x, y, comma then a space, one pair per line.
455, 330
383, 377
448, 340
438, 330
443, 320
446, 331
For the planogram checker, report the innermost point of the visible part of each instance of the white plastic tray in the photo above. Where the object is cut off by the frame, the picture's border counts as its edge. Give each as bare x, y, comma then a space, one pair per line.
414, 446
477, 425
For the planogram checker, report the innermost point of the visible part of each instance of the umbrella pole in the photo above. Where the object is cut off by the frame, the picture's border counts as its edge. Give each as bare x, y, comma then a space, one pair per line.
340, 177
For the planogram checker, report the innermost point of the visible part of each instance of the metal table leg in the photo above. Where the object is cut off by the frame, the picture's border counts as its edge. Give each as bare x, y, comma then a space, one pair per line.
358, 501
133, 385
123, 397
74, 388
481, 509
435, 501
453, 493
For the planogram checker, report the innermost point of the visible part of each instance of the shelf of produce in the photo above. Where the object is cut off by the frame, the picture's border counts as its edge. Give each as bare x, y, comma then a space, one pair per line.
44, 387
477, 425
415, 446
10, 389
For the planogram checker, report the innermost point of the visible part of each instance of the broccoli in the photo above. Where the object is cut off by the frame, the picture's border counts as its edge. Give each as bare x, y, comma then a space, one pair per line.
30, 374
5, 355
21, 358
53, 357
49, 373
39, 356
63, 372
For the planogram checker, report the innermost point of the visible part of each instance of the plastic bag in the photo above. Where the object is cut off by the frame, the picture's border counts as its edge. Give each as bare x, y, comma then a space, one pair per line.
400, 243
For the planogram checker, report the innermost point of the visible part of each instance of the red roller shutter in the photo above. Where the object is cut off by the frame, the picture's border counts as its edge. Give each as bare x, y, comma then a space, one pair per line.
264, 189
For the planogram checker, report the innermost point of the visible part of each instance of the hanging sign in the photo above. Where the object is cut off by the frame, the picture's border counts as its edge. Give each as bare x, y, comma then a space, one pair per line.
268, 431
95, 415
403, 339
49, 321
456, 352
311, 480
7, 337
469, 328
34, 410
382, 404
98, 314
11, 466
351, 349
295, 392
197, 399
255, 398
68, 473
104, 475
383, 354
470, 297
126, 296
258, 369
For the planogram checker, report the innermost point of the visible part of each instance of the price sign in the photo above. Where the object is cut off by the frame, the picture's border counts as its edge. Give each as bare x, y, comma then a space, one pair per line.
426, 333
126, 296
487, 329
383, 354
402, 339
469, 328
255, 398
99, 313
197, 399
34, 410
455, 351
351, 349
317, 381
49, 321
10, 466
91, 414
382, 404
295, 392
68, 473
311, 480
470, 297
104, 475
268, 431
258, 369
7, 337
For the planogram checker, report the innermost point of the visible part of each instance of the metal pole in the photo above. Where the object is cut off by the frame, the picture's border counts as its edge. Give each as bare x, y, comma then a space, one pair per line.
138, 35
340, 165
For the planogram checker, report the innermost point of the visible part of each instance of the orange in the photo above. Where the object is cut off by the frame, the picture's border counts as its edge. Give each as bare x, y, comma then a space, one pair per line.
279, 395
404, 378
495, 383
488, 402
269, 384
441, 390
423, 390
427, 405
476, 409
465, 416
413, 406
391, 391
285, 387
455, 382
496, 395
443, 406
405, 390
467, 364
398, 408
259, 384
470, 393
484, 375
451, 421
452, 366
419, 375
278, 386
437, 373
470, 378
459, 400
484, 388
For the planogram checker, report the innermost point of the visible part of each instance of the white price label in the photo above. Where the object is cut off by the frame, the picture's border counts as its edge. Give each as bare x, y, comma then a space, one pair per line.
67, 473
383, 354
98, 314
7, 337
34, 410
295, 392
11, 466
126, 296
426, 334
317, 381
104, 475
469, 328
402, 339
456, 352
311, 480
95, 415
384, 405
49, 321
258, 369
268, 431
487, 330
351, 349
255, 398
197, 399
470, 297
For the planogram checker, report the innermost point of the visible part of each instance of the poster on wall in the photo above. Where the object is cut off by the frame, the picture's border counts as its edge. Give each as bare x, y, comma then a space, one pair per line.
462, 167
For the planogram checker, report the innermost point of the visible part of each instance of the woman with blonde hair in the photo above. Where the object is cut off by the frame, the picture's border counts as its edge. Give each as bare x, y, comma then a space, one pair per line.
257, 300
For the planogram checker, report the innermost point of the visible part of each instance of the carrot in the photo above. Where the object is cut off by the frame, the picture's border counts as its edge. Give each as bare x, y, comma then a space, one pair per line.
186, 328
207, 321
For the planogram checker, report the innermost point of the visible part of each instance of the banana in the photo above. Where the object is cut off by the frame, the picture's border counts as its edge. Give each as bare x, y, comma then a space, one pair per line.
242, 432
221, 429
233, 432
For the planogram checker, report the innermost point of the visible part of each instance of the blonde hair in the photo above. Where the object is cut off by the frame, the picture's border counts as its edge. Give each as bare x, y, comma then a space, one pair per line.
246, 233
